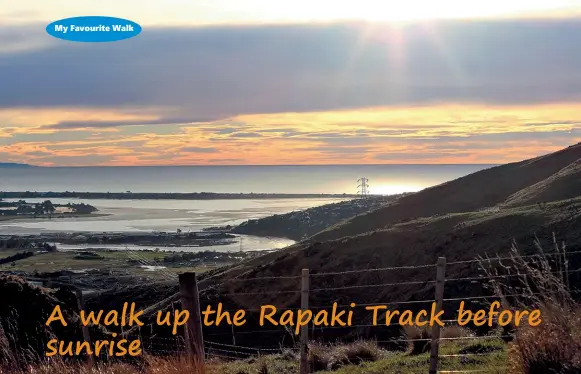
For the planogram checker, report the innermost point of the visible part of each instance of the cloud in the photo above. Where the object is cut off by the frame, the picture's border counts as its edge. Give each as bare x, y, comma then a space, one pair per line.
218, 72
199, 150
344, 150
38, 153
404, 156
551, 123
68, 125
450, 133
245, 135
225, 131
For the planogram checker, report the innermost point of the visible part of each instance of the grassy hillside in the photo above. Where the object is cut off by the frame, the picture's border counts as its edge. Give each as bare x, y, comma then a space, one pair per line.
566, 183
457, 236
302, 224
452, 220
482, 189
447, 220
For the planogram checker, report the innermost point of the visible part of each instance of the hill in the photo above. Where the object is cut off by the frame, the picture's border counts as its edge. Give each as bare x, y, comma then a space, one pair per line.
483, 189
566, 183
457, 236
450, 220
453, 219
299, 225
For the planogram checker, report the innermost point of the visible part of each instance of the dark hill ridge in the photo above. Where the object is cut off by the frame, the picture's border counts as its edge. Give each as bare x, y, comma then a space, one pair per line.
566, 183
446, 220
299, 225
457, 236
486, 188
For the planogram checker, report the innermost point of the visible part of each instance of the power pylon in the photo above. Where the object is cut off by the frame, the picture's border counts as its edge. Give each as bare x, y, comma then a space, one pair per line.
363, 187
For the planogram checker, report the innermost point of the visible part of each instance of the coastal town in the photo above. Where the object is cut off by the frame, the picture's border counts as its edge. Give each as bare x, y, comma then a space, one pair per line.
45, 209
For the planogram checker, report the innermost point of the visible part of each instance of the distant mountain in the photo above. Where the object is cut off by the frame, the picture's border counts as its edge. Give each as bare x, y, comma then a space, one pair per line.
14, 165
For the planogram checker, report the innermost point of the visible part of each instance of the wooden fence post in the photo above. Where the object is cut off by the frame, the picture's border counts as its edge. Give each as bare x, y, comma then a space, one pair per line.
190, 300
304, 366
86, 335
435, 343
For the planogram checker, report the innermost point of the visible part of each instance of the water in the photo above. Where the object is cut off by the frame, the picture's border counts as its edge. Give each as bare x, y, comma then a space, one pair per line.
159, 215
336, 179
194, 215
243, 242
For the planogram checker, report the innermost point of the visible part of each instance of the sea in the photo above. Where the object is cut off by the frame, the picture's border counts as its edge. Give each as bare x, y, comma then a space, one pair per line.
195, 215
329, 179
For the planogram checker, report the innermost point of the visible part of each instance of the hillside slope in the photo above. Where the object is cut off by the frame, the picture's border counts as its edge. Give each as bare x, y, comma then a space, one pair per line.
479, 190
272, 279
299, 225
458, 237
564, 184
447, 220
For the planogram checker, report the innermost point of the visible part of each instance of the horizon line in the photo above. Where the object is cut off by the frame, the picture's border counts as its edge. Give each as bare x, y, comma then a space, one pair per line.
241, 165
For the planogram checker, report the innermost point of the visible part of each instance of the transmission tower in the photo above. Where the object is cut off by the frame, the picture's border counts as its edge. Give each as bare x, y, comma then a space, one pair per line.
363, 186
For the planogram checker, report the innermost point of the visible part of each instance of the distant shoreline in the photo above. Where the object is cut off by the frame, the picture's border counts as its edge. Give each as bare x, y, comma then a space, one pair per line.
31, 218
168, 196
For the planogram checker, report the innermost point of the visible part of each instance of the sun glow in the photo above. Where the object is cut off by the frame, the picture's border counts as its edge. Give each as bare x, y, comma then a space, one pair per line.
203, 12
393, 189
389, 10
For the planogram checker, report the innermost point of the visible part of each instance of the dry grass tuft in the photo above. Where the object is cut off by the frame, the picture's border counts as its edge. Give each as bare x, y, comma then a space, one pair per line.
552, 347
263, 369
555, 345
333, 357
416, 339
318, 356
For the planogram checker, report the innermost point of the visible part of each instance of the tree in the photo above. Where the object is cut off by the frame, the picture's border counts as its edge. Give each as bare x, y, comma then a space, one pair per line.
48, 207
38, 209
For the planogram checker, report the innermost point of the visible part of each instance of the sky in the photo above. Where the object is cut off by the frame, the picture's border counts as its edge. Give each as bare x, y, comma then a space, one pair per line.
305, 82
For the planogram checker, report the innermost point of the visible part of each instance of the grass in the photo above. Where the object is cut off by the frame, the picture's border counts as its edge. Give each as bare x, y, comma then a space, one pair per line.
323, 357
150, 365
355, 358
555, 345
416, 335
112, 260
399, 362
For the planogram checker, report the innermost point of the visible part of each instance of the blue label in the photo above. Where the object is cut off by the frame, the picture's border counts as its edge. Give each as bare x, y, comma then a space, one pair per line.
93, 29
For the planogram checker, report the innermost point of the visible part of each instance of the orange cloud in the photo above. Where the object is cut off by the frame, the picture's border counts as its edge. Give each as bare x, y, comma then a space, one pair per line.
445, 133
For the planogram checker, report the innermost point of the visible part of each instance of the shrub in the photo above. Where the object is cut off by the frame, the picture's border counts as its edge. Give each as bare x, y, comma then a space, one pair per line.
360, 351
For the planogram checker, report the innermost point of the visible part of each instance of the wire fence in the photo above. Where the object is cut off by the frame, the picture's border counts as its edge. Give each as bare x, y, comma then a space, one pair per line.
233, 343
